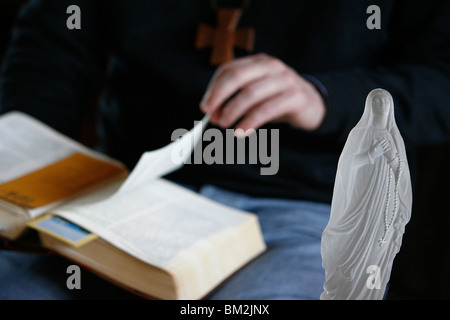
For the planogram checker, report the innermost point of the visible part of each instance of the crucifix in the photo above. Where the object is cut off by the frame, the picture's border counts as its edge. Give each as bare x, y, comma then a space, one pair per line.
225, 37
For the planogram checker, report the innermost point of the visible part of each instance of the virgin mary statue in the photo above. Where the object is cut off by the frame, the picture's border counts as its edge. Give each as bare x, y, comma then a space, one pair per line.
370, 207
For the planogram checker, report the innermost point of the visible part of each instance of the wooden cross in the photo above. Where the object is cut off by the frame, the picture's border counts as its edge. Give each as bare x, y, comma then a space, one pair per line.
225, 37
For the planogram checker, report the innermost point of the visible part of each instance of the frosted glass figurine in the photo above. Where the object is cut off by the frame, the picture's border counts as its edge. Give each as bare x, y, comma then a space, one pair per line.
371, 205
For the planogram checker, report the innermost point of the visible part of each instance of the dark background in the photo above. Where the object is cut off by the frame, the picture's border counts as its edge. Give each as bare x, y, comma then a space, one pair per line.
421, 268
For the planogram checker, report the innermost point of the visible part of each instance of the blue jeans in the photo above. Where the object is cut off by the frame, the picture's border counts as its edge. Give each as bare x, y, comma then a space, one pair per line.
291, 268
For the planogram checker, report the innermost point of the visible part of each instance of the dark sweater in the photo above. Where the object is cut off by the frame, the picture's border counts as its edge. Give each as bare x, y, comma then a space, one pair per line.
155, 78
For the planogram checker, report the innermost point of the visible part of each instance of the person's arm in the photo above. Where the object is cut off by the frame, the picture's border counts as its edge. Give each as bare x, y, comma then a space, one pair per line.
49, 71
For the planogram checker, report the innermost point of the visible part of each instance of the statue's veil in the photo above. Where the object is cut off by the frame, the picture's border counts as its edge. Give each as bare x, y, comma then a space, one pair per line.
366, 118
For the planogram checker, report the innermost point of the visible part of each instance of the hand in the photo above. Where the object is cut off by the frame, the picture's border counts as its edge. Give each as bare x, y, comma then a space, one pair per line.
265, 90
381, 147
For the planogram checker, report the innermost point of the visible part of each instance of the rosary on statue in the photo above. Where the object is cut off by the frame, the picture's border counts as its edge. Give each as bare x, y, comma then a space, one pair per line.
387, 225
225, 37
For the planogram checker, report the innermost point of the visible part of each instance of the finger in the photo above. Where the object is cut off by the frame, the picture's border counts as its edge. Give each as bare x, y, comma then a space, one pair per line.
379, 142
216, 116
235, 64
233, 77
251, 95
273, 108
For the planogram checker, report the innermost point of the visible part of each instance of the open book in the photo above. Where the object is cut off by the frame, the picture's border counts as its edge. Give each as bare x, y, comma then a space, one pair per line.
139, 231
41, 169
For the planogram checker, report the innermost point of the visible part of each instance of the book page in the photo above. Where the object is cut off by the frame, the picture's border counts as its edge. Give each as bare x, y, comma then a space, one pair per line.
27, 145
156, 222
157, 163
